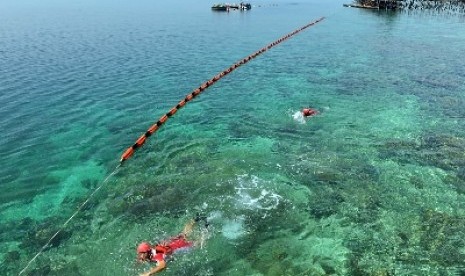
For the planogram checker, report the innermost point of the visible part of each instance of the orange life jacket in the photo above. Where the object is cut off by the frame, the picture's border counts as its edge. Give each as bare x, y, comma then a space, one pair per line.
163, 249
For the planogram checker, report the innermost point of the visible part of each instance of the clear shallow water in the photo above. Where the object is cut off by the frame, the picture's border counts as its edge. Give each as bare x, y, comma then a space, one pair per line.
372, 185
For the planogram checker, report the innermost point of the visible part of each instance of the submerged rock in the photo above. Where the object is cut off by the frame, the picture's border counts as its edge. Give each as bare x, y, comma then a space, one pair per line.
39, 235
443, 237
11, 257
461, 173
45, 270
65, 267
325, 203
443, 151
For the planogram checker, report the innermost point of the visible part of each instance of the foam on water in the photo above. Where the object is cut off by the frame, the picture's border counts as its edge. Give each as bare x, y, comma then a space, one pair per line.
254, 193
299, 117
233, 228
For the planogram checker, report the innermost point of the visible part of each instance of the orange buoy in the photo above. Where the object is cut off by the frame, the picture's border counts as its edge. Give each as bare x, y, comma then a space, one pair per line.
127, 154
196, 92
181, 104
307, 112
163, 119
153, 128
172, 111
141, 140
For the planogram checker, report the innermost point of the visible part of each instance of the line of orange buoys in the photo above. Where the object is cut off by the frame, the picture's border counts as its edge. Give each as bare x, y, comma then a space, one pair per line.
128, 153
141, 140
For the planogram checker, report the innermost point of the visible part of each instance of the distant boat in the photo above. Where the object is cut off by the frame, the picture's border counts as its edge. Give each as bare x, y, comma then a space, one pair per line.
227, 7
245, 6
220, 7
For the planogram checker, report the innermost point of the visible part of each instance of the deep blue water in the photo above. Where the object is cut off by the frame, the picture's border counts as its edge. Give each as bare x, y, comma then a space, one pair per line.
373, 185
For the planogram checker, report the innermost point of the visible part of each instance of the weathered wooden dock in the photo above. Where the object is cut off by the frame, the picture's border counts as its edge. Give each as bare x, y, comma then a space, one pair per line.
454, 5
374, 4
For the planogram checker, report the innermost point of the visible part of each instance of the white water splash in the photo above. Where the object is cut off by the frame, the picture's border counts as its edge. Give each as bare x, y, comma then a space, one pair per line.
299, 117
233, 228
251, 194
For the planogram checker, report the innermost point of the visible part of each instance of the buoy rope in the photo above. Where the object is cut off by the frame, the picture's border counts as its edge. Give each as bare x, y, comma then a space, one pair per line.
141, 140
69, 219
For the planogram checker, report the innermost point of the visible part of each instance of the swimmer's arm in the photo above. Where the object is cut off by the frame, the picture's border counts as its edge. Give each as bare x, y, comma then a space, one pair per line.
160, 266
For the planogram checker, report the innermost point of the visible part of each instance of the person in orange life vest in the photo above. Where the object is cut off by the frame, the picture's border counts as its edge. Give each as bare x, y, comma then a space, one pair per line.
307, 112
158, 253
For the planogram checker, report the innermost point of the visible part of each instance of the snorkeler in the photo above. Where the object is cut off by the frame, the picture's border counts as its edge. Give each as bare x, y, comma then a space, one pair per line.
307, 112
158, 253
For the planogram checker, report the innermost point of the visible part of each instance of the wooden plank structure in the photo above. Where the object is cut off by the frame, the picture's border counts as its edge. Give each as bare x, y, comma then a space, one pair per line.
374, 4
444, 5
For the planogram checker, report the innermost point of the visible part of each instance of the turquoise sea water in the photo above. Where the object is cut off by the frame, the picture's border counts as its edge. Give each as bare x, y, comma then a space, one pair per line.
373, 185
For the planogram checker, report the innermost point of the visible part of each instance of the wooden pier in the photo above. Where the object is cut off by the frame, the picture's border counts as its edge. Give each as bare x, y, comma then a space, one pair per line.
374, 4
452, 5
